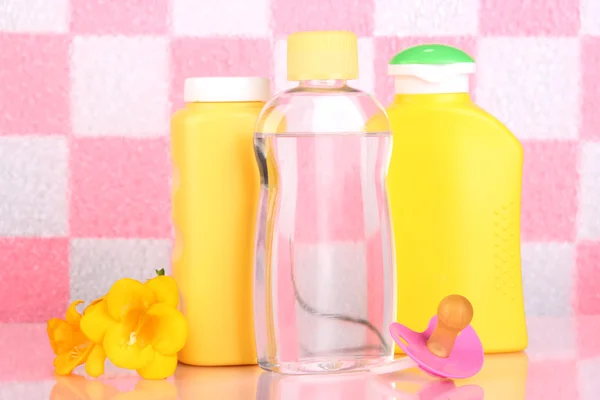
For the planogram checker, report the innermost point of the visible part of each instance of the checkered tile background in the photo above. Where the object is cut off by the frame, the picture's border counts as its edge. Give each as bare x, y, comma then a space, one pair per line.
87, 88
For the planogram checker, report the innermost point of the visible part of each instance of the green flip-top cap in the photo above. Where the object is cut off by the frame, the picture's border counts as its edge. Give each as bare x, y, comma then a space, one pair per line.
431, 68
432, 54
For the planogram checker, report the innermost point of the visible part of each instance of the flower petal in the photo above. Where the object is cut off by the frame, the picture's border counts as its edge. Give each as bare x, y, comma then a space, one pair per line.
123, 349
52, 328
66, 362
126, 295
162, 367
169, 328
63, 336
96, 321
73, 316
94, 365
93, 303
165, 289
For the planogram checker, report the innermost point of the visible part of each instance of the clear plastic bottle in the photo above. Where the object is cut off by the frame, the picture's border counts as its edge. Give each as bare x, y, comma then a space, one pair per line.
324, 291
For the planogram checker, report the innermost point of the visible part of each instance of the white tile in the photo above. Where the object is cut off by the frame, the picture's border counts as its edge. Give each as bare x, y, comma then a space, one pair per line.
33, 183
280, 57
551, 338
587, 377
547, 278
26, 390
230, 18
531, 84
98, 263
34, 16
426, 17
589, 206
590, 17
366, 75
120, 86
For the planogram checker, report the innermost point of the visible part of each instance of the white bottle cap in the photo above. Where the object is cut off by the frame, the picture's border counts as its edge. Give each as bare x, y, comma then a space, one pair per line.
427, 79
226, 89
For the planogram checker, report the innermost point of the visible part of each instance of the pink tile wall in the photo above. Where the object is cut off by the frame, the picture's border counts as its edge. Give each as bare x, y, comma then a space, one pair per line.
590, 90
120, 17
35, 84
120, 188
550, 194
96, 81
292, 16
36, 278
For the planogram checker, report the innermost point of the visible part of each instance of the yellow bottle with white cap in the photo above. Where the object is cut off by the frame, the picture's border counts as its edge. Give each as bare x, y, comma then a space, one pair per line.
455, 193
215, 195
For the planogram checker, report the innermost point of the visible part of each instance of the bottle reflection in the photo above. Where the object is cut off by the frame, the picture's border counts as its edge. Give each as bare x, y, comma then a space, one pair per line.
362, 386
326, 387
227, 383
503, 376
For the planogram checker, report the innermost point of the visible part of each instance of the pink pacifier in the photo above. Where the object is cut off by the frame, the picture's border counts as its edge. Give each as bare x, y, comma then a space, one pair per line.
448, 348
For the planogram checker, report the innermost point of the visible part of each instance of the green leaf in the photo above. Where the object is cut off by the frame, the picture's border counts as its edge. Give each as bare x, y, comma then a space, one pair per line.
160, 272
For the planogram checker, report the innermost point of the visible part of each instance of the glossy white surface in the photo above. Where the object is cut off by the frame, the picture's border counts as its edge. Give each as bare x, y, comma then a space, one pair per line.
562, 362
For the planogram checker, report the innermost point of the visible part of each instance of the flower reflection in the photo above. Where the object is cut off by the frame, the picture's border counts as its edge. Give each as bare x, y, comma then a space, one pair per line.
77, 387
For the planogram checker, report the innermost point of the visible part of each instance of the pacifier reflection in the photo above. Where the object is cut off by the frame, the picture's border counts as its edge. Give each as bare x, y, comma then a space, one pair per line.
362, 386
78, 387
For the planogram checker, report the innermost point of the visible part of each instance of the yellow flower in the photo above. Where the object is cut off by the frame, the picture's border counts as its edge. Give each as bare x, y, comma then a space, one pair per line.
139, 326
70, 345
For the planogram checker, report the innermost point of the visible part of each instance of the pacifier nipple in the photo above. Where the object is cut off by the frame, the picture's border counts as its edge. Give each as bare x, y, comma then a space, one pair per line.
454, 314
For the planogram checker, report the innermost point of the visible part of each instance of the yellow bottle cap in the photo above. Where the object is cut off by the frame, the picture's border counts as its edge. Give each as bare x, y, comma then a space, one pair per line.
322, 55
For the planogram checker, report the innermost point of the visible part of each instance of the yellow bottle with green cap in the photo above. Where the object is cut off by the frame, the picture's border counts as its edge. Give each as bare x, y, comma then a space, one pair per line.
455, 192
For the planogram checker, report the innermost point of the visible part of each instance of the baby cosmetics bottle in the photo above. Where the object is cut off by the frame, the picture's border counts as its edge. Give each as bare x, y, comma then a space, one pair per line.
324, 268
215, 196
